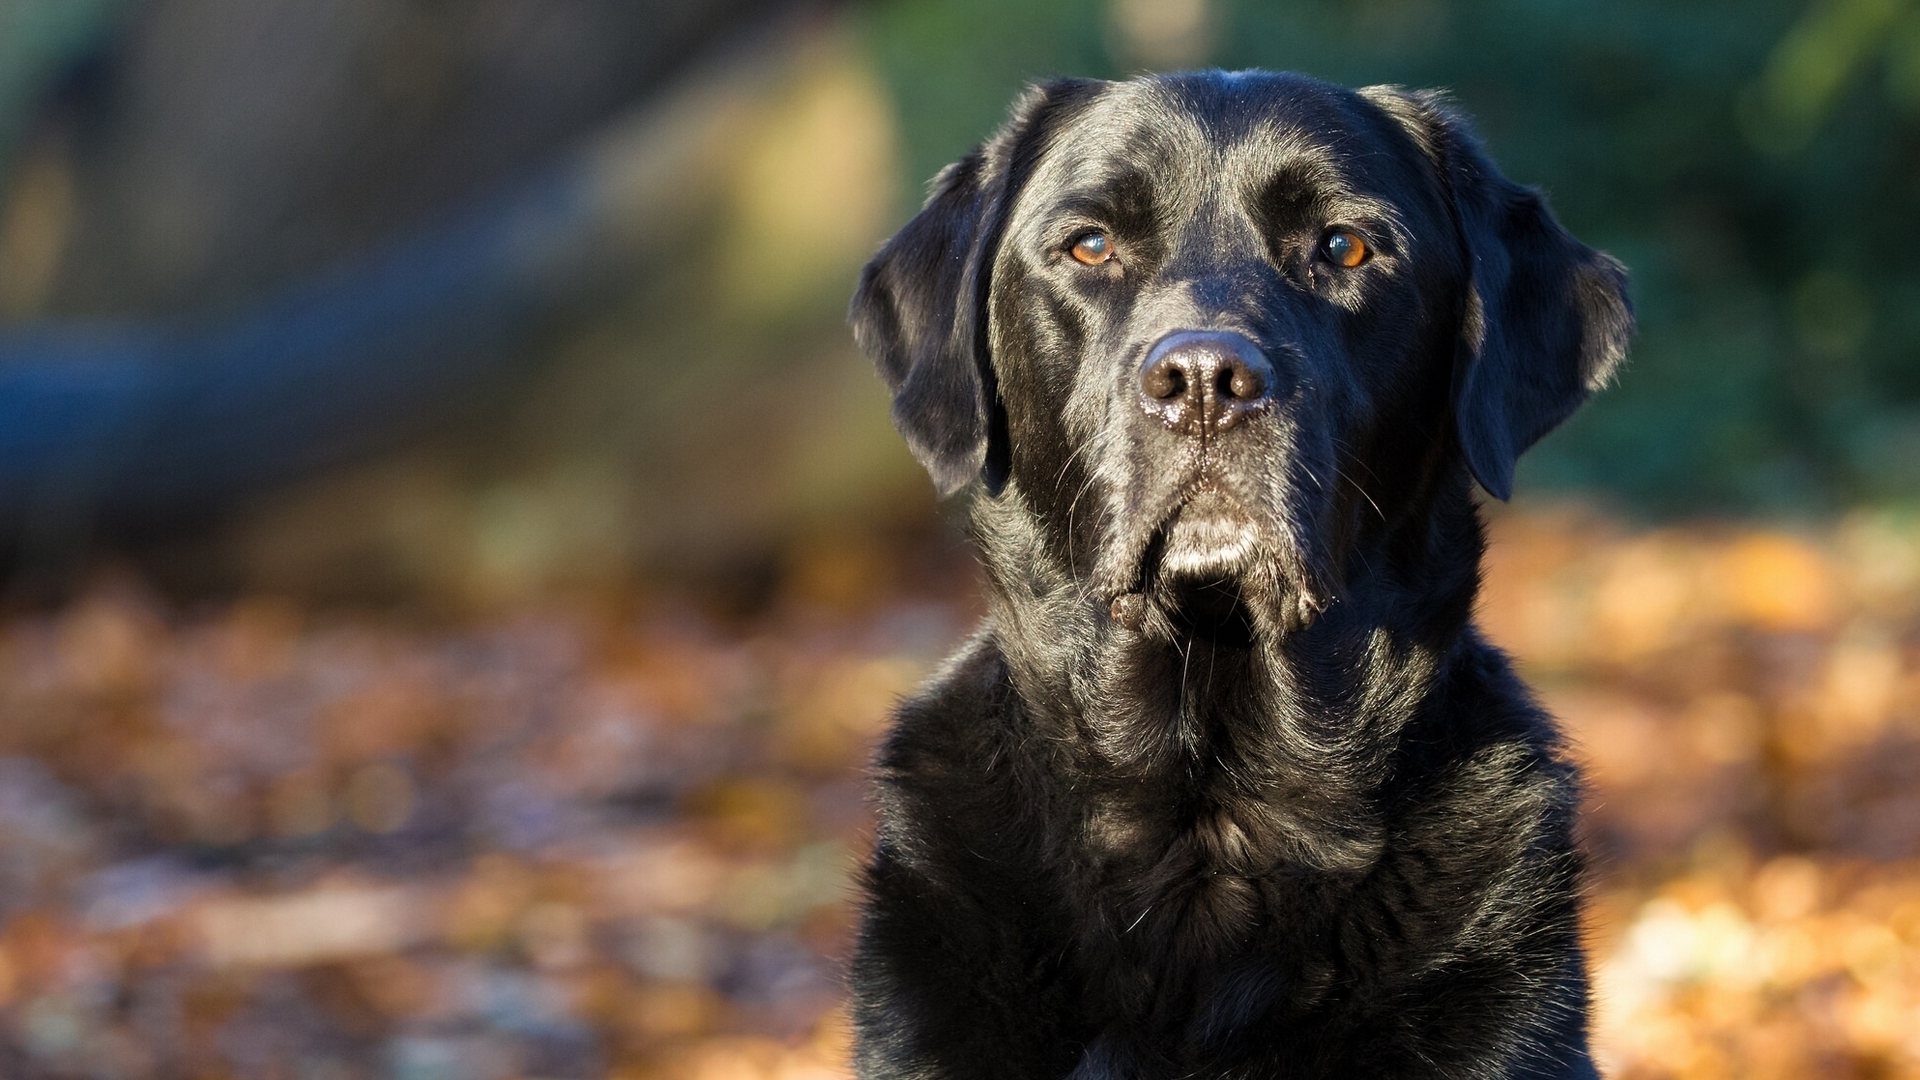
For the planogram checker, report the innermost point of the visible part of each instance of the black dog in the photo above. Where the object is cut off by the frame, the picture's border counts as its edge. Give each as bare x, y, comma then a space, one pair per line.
1228, 784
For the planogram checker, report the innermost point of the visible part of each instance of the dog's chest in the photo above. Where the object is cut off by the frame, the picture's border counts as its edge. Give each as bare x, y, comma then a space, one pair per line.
1208, 869
1180, 910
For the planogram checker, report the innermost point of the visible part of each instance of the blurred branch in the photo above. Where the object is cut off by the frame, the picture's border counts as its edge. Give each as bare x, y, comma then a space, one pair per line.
138, 421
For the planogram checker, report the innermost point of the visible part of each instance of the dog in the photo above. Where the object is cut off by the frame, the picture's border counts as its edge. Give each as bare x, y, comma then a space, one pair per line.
1227, 783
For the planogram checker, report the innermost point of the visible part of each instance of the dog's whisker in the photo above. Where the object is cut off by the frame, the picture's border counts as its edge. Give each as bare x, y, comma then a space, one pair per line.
1137, 920
1071, 507
1313, 476
1345, 477
1213, 656
1061, 476
1356, 459
1363, 492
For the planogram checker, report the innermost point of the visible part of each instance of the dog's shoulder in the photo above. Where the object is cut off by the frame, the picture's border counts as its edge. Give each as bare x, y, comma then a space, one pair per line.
1483, 852
1492, 709
952, 771
1475, 899
1486, 751
954, 721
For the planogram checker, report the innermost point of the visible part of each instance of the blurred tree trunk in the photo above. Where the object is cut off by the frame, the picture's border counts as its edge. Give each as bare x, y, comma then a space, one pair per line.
328, 237
227, 146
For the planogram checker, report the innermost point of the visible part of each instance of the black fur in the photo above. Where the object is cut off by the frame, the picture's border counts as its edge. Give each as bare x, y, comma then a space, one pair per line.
1228, 784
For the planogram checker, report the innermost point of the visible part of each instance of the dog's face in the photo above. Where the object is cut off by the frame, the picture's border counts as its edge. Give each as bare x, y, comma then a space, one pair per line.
1220, 328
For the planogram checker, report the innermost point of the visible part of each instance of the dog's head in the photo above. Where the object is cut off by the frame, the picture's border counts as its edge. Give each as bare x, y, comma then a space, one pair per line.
1218, 328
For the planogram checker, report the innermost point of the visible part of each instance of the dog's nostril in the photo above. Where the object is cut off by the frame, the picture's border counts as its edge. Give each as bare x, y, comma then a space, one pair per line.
1236, 383
1164, 382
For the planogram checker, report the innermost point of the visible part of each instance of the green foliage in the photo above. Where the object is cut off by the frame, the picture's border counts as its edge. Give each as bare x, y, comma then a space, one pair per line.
36, 38
1755, 162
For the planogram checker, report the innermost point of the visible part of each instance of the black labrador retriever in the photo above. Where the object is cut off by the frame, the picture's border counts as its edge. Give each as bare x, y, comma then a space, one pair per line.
1228, 784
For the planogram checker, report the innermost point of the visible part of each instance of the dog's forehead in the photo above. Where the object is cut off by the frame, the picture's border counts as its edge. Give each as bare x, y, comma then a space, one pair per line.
1213, 129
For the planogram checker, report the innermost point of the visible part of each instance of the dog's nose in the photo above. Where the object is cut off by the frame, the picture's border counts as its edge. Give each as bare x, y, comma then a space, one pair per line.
1199, 382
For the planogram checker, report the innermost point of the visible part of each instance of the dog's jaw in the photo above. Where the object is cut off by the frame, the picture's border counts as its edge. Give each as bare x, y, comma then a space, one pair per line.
1209, 538
1208, 564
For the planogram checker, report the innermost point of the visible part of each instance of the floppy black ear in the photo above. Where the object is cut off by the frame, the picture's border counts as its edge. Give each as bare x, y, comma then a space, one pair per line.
920, 310
1547, 317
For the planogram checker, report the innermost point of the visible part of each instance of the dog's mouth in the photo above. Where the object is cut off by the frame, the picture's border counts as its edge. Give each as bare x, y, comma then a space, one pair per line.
1211, 571
1210, 537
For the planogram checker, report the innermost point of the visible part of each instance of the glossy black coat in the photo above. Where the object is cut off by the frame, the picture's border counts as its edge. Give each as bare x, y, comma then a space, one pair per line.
1227, 784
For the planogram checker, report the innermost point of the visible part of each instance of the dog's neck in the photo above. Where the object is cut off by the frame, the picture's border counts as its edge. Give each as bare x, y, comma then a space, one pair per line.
1309, 719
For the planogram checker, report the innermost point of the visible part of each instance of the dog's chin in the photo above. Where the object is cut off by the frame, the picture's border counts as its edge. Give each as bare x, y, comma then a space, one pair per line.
1203, 575
1207, 540
1210, 573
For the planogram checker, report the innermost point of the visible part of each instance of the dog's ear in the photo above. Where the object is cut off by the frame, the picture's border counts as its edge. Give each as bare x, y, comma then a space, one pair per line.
1547, 318
920, 310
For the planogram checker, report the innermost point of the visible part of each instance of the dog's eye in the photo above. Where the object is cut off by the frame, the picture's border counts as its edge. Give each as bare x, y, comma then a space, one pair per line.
1093, 248
1344, 248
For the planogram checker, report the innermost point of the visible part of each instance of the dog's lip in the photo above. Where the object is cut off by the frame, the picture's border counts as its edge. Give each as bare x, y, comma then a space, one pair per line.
1207, 542
1210, 536
1204, 532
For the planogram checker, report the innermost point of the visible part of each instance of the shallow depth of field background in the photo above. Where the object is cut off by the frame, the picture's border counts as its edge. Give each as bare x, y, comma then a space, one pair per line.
453, 563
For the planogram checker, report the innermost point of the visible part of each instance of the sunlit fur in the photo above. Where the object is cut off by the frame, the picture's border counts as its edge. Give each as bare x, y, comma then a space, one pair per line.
1294, 818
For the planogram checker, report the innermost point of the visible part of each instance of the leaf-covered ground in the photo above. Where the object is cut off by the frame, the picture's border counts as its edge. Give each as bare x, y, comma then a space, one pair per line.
252, 840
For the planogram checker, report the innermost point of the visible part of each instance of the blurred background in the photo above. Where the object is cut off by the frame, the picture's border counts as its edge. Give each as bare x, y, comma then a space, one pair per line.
453, 563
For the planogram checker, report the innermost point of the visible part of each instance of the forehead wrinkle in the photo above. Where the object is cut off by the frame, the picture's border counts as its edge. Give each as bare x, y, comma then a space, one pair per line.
1380, 164
1334, 157
1339, 166
1237, 132
1227, 104
1285, 110
1129, 124
1276, 123
1126, 136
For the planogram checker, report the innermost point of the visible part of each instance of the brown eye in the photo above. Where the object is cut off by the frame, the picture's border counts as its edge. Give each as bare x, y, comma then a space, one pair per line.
1344, 249
1093, 249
